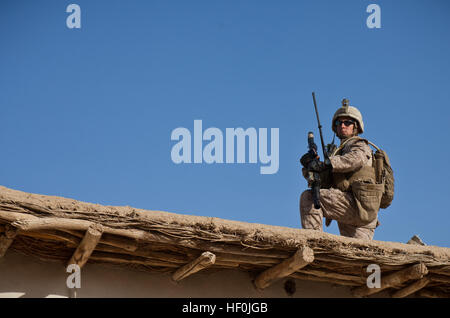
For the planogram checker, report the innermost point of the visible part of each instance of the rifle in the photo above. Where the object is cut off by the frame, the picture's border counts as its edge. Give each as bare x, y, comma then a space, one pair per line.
330, 148
313, 177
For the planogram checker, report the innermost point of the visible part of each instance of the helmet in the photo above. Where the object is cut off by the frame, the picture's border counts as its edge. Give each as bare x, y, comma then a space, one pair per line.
348, 111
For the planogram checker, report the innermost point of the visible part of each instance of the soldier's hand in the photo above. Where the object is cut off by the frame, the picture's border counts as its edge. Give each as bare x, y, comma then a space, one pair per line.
316, 166
305, 173
307, 158
319, 166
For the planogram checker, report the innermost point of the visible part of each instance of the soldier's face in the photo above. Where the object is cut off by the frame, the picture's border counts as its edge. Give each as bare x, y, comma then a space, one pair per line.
344, 131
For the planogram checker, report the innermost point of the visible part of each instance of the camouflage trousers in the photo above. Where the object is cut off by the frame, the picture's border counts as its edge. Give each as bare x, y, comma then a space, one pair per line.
335, 205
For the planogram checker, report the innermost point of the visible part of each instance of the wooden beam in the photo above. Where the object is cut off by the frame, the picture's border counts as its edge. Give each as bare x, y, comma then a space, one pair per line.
203, 261
6, 238
87, 245
432, 294
53, 235
439, 278
300, 259
27, 222
413, 272
129, 259
329, 280
411, 289
112, 240
217, 232
333, 275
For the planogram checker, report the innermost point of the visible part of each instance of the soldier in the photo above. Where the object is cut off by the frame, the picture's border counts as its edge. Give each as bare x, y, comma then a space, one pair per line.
349, 193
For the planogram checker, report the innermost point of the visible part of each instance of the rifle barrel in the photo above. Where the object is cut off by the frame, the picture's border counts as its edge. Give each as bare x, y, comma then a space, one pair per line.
320, 126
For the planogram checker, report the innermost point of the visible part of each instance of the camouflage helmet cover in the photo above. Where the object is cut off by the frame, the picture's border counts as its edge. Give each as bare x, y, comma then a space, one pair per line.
348, 111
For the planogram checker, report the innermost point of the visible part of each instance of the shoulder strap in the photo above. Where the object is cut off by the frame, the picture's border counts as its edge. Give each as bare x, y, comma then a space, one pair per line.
343, 144
372, 144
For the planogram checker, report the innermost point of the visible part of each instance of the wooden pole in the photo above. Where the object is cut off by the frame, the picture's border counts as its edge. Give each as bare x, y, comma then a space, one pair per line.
203, 261
432, 294
333, 275
113, 240
300, 259
439, 278
418, 285
6, 239
129, 259
87, 245
333, 281
413, 272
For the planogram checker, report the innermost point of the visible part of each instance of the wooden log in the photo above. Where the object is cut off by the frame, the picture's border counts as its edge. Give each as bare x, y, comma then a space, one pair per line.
445, 270
333, 275
205, 260
333, 281
189, 238
437, 258
87, 245
158, 256
432, 294
411, 289
439, 278
110, 245
281, 238
219, 247
32, 223
6, 239
129, 259
59, 236
341, 261
112, 240
247, 259
300, 259
395, 279
227, 264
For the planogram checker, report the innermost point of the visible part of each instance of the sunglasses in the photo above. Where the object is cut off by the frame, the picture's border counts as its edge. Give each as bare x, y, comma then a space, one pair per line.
345, 122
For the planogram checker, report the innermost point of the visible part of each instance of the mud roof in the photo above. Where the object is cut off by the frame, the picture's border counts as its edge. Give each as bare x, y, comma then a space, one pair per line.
66, 230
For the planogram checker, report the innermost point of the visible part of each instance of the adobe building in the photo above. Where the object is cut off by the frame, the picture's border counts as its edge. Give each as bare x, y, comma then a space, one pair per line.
128, 252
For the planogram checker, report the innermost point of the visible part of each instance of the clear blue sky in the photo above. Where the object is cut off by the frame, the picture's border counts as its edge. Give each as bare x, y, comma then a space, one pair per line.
88, 113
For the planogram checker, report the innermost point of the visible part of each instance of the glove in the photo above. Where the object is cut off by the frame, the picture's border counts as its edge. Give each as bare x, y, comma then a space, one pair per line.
305, 173
319, 166
307, 158
316, 166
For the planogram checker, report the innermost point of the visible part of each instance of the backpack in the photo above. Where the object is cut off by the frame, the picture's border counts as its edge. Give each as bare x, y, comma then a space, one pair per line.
384, 174
383, 171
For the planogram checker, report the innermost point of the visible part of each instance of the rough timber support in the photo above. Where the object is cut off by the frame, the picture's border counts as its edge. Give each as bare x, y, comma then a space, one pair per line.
411, 289
413, 272
203, 261
87, 245
432, 294
300, 259
6, 239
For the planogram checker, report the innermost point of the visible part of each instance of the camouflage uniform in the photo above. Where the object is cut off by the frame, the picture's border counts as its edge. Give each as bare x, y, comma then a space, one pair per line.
336, 204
